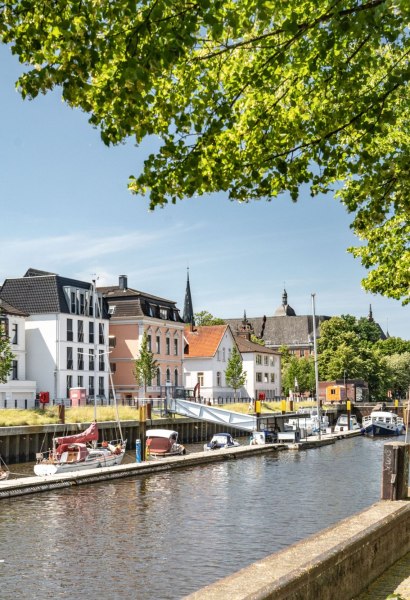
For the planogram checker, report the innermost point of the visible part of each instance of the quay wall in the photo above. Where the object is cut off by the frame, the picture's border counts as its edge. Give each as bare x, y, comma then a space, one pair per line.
340, 561
20, 444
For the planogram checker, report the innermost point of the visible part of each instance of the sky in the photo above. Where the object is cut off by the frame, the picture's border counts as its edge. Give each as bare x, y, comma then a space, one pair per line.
65, 208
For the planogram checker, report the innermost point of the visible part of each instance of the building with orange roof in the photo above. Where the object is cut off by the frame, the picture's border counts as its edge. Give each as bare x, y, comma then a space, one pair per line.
206, 355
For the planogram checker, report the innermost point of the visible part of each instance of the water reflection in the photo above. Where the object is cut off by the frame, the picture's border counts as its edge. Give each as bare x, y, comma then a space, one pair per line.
163, 536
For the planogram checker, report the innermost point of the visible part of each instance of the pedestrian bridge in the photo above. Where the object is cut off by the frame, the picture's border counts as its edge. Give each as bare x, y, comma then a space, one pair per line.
212, 414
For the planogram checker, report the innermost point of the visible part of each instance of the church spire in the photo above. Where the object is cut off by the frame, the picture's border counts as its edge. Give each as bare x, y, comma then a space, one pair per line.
188, 316
370, 317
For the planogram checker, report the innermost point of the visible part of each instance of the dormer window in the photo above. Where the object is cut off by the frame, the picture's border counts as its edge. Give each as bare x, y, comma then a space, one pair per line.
163, 312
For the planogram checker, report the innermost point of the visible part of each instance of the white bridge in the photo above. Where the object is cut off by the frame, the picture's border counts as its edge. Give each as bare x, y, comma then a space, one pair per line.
212, 414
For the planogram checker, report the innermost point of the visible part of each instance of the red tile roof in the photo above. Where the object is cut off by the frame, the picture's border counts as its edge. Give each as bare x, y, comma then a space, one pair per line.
204, 341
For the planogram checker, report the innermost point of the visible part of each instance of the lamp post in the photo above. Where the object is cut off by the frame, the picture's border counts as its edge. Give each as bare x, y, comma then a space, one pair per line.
316, 366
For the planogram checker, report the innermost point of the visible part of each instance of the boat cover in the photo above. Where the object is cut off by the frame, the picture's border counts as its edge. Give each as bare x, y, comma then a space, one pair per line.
88, 435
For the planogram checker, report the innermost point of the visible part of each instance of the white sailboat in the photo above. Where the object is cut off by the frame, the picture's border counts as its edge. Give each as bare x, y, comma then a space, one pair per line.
80, 451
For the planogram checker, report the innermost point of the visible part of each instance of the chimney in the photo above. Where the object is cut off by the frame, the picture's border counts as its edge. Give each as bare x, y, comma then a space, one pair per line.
123, 284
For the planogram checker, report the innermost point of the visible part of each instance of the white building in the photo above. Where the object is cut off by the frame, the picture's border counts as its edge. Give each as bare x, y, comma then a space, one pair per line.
17, 392
207, 352
263, 369
66, 333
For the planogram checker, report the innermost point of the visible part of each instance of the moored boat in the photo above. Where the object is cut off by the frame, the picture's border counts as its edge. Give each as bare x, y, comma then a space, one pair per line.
162, 443
221, 440
382, 422
342, 423
4, 471
71, 453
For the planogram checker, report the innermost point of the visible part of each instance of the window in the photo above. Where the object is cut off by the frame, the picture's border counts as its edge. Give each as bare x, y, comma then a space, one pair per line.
163, 313
200, 377
101, 333
272, 361
69, 357
149, 343
14, 336
80, 359
91, 309
69, 384
167, 346
223, 354
70, 335
101, 391
91, 360
218, 354
80, 381
112, 341
259, 377
176, 377
82, 305
91, 332
101, 364
272, 377
14, 370
168, 376
176, 346
258, 359
218, 379
72, 303
265, 359
80, 331
265, 378
91, 390
111, 309
158, 340
158, 376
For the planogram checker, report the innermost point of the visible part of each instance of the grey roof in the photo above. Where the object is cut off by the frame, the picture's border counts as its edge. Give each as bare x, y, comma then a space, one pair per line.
245, 345
282, 331
6, 308
36, 293
130, 303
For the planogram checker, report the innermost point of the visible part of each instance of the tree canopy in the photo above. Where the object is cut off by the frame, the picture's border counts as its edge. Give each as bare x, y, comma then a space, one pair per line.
252, 97
234, 374
145, 366
206, 318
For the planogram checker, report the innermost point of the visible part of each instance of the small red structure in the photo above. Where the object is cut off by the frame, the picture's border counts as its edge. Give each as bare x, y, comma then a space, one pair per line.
78, 396
44, 397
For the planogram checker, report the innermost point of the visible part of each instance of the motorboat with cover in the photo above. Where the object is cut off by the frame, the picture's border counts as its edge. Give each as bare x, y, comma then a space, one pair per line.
221, 440
382, 422
308, 421
342, 423
76, 453
163, 442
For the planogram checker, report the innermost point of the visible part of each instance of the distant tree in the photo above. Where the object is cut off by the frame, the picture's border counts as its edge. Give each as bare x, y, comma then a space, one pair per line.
345, 350
393, 345
399, 371
257, 340
301, 370
235, 375
205, 318
145, 366
6, 355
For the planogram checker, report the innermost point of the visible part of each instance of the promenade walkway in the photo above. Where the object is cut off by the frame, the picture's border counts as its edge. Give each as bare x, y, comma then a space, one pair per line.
395, 580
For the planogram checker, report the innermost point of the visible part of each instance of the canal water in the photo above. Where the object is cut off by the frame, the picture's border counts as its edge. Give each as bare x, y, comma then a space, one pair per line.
160, 537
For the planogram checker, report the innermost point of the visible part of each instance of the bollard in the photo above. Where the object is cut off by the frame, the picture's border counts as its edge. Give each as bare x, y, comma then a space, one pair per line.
138, 457
395, 476
349, 412
61, 413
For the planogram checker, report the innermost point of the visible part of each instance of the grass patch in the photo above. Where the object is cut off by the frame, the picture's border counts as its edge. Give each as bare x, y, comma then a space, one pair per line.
11, 417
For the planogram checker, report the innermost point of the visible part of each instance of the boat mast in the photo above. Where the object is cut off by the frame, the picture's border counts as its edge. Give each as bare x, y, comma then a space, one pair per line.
94, 291
316, 366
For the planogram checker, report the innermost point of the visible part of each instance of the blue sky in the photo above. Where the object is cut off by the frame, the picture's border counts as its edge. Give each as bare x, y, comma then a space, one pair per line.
65, 208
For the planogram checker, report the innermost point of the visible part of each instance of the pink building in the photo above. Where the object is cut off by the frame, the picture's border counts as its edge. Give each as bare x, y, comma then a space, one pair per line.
131, 314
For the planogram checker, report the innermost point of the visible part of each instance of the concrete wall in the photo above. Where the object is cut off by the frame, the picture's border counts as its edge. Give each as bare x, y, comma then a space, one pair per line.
339, 562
